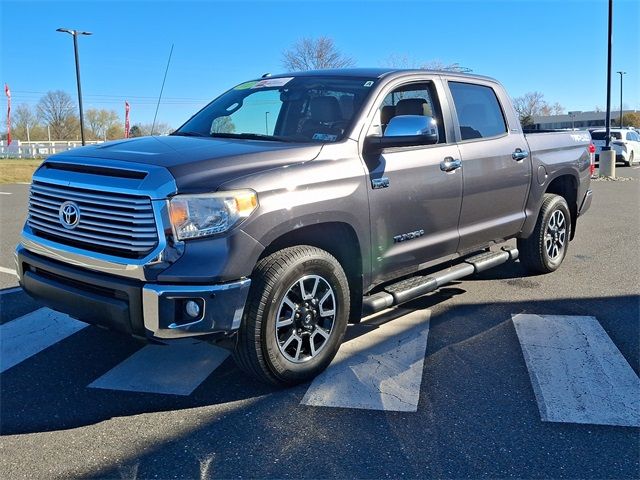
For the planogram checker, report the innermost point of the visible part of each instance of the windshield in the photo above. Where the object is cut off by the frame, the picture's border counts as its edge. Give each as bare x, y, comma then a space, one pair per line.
603, 135
289, 109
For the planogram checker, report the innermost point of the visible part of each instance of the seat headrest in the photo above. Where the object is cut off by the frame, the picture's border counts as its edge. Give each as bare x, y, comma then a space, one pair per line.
347, 106
387, 113
410, 106
325, 109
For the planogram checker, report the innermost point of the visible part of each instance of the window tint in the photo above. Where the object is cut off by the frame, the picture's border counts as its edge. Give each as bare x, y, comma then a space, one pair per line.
412, 99
479, 112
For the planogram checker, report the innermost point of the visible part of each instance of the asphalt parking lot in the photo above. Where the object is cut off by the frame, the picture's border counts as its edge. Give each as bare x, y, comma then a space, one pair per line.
481, 394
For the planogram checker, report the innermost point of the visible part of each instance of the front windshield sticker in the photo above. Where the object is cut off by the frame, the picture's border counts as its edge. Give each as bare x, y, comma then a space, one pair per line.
273, 82
245, 85
325, 137
368, 84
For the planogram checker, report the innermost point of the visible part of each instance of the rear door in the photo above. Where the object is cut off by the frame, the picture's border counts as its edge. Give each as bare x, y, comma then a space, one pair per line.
495, 164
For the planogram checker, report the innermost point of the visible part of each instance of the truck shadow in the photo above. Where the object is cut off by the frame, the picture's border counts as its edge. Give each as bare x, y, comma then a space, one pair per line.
49, 391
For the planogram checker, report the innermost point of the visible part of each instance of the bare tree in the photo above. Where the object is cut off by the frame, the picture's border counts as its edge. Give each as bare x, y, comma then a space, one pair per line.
26, 125
100, 121
144, 129
223, 125
405, 61
57, 110
533, 104
314, 54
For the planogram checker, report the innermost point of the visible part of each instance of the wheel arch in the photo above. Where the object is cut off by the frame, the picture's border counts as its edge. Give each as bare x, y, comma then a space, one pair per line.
340, 240
566, 186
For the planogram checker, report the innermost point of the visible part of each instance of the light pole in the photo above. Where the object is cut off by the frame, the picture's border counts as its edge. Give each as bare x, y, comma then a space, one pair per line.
266, 122
74, 34
572, 115
621, 74
608, 156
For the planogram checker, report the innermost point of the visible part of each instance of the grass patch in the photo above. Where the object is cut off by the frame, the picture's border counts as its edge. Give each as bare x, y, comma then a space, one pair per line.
17, 170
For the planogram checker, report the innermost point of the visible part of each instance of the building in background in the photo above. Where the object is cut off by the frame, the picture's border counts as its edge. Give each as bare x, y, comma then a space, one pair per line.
579, 120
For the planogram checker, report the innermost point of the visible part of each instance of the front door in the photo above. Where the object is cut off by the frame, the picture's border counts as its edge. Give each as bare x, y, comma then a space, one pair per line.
414, 204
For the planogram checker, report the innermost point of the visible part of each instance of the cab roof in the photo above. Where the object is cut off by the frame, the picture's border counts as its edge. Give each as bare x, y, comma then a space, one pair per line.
377, 73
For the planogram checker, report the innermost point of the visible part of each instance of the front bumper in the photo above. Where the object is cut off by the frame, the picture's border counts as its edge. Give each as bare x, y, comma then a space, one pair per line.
129, 305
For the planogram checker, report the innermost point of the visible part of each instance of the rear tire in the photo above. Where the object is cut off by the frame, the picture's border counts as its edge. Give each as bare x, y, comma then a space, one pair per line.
546, 248
295, 316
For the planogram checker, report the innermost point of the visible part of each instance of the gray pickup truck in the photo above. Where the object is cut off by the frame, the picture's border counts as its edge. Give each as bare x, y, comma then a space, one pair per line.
294, 204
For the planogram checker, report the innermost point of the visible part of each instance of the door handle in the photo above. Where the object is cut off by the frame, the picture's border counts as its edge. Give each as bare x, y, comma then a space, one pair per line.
519, 154
449, 164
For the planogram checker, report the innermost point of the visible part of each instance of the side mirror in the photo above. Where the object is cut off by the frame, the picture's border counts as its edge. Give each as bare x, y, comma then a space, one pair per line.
406, 131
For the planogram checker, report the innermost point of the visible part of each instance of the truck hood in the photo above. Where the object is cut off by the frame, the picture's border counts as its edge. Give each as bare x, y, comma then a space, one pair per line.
200, 164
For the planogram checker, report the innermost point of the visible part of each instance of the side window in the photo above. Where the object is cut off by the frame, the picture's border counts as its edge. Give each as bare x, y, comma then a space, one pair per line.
631, 136
412, 99
479, 113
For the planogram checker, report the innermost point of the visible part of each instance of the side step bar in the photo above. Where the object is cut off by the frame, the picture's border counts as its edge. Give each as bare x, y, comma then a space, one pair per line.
414, 287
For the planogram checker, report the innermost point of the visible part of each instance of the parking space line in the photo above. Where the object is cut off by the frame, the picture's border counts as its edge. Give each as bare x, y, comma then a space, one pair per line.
30, 334
177, 368
8, 271
577, 373
5, 291
6, 193
380, 370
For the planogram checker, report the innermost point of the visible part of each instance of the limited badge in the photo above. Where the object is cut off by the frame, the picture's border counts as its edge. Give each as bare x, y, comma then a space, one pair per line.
325, 137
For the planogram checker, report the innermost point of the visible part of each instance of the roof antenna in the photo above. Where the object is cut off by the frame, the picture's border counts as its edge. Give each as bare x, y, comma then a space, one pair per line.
266, 75
153, 126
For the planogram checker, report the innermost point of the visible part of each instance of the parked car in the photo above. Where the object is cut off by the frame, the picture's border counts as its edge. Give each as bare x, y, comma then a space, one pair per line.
625, 142
293, 204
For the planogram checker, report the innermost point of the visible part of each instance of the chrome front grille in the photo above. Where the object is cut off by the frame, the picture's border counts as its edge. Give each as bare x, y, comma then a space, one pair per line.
111, 223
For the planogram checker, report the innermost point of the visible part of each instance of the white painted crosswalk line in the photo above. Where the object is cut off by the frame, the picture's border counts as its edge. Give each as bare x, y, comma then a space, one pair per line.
25, 336
177, 368
8, 271
381, 370
577, 372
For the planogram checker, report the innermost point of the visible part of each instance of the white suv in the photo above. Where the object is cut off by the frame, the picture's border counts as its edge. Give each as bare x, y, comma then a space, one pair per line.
625, 141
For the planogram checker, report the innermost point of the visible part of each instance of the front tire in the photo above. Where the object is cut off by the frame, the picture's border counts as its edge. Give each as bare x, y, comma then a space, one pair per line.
631, 160
295, 317
546, 248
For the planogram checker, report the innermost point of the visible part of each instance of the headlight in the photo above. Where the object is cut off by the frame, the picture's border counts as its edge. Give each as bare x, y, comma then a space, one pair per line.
194, 216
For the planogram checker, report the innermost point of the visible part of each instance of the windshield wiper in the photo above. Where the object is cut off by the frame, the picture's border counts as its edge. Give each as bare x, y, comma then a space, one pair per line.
188, 134
251, 136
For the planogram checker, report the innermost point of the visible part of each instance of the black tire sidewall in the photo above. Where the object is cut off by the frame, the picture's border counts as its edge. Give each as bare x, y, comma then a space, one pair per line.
558, 203
281, 367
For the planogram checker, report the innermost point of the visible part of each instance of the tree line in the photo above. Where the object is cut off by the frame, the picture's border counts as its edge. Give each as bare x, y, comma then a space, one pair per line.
55, 117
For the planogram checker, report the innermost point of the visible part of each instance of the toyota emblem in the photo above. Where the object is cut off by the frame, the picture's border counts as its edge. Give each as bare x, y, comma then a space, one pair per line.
69, 215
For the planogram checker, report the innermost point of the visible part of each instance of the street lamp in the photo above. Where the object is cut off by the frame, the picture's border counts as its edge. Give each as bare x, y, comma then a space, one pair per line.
266, 122
74, 34
621, 74
572, 115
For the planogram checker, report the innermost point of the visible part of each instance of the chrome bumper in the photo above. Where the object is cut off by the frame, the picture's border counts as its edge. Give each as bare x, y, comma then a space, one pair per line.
131, 306
223, 305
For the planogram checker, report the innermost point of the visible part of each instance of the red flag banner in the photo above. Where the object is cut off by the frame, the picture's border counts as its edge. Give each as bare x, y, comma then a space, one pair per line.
126, 119
7, 92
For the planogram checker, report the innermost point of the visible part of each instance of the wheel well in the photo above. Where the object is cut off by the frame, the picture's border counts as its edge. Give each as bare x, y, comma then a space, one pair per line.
567, 186
341, 241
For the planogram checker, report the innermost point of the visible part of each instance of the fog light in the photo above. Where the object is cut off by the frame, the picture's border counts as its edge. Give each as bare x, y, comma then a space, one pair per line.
192, 308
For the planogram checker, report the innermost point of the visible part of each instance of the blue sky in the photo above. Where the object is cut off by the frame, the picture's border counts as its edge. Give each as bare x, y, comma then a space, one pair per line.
556, 47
